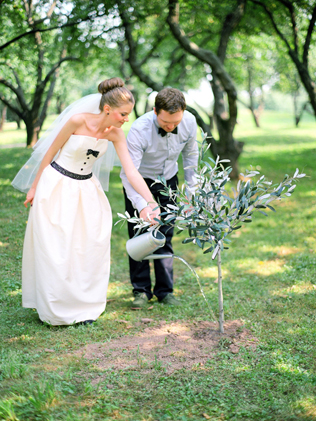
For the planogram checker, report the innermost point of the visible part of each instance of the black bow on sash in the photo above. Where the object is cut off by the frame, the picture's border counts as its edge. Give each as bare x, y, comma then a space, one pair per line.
92, 152
163, 132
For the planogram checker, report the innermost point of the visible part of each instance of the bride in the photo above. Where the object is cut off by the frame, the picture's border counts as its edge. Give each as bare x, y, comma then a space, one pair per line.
66, 252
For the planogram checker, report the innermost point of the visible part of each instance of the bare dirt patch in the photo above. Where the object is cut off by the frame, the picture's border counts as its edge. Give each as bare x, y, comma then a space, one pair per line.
169, 346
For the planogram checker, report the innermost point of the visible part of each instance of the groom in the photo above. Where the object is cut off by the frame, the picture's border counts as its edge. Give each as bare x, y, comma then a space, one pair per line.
155, 142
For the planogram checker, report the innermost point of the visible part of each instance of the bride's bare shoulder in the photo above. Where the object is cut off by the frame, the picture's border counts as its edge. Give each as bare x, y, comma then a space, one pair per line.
78, 118
115, 134
78, 121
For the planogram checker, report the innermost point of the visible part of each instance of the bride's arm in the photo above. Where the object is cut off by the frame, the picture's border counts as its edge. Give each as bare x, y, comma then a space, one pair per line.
133, 176
60, 140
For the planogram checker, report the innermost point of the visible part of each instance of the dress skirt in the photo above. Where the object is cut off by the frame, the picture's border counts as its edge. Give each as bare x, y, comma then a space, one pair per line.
66, 254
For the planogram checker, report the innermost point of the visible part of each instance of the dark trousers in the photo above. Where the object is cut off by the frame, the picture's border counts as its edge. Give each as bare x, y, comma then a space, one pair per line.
140, 271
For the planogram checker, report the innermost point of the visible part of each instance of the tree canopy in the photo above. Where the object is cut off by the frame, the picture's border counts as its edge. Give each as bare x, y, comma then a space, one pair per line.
50, 48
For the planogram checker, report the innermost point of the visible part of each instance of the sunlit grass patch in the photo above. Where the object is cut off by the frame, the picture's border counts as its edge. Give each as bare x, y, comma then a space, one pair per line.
302, 288
243, 368
268, 267
311, 242
307, 406
210, 273
7, 408
285, 250
22, 338
309, 193
16, 292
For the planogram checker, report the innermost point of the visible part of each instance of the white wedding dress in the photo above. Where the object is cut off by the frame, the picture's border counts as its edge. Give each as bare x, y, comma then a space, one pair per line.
66, 253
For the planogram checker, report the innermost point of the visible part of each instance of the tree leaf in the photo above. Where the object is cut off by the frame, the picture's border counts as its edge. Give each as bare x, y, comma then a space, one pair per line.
263, 213
265, 196
208, 250
187, 240
173, 207
271, 207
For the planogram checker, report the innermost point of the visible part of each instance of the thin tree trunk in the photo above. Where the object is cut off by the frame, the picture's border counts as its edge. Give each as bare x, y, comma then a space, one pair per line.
298, 115
250, 91
220, 293
255, 115
35, 135
60, 104
136, 97
3, 117
29, 133
146, 108
252, 108
227, 146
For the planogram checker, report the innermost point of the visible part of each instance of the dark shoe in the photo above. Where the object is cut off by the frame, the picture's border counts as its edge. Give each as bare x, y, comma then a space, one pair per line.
140, 300
170, 300
86, 322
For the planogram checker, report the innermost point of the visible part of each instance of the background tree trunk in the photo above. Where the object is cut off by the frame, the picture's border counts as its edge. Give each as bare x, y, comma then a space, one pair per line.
226, 147
3, 117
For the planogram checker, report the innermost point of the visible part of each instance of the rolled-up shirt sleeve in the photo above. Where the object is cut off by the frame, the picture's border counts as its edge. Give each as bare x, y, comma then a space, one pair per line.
190, 155
135, 146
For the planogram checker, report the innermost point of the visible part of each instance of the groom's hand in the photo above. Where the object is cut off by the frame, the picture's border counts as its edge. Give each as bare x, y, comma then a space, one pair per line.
149, 214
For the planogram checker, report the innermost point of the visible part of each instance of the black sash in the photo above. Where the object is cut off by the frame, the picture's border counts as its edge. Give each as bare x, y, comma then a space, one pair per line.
70, 174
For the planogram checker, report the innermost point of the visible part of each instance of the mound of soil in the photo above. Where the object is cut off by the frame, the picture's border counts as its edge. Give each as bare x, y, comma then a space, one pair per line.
169, 346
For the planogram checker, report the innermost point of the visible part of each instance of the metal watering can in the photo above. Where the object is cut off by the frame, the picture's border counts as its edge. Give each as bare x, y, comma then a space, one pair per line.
142, 246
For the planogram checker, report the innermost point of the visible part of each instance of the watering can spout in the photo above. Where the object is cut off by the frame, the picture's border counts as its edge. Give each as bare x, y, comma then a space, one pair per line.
158, 256
143, 246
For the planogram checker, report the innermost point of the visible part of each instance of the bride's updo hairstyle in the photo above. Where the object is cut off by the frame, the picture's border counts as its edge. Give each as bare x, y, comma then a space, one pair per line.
114, 93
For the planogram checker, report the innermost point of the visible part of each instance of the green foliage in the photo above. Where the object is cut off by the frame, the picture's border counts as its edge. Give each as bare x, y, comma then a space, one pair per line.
207, 212
34, 61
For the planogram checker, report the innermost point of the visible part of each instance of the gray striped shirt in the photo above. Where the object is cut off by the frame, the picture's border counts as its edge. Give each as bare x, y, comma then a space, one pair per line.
155, 155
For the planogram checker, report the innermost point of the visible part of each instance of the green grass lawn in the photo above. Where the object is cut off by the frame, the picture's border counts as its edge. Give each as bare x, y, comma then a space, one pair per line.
269, 284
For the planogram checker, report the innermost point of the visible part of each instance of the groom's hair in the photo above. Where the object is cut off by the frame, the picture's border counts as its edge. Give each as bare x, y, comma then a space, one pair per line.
171, 100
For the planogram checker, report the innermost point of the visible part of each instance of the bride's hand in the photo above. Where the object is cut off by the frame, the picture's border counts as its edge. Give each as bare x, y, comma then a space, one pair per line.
30, 197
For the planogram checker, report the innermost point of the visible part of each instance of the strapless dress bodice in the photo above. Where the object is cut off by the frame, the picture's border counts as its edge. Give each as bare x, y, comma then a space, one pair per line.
80, 152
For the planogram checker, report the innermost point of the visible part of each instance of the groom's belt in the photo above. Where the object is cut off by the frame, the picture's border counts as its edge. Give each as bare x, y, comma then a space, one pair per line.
69, 173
